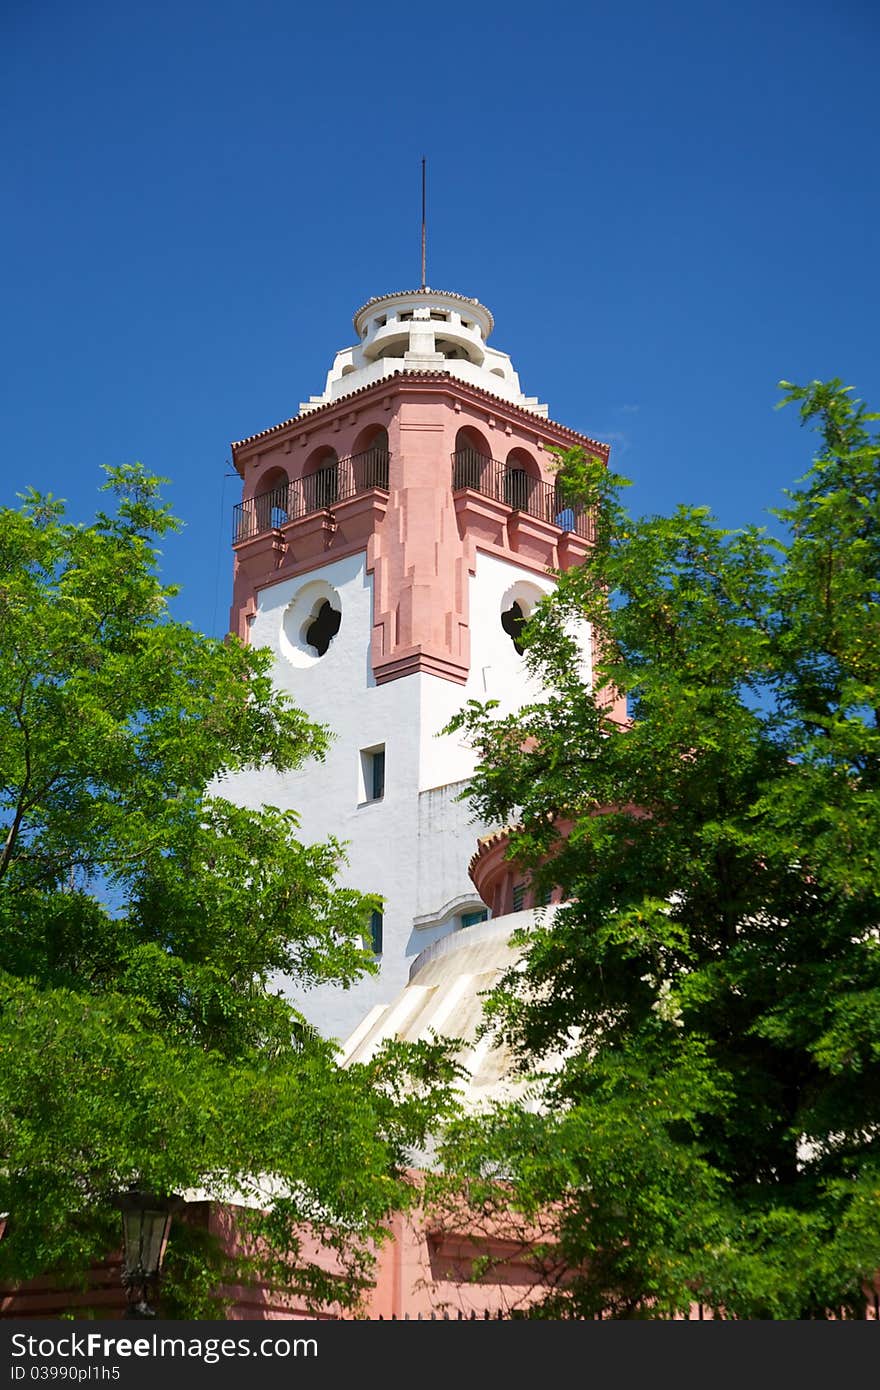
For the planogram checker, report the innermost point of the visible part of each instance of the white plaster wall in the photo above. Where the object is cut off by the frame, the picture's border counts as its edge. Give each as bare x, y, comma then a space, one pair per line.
447, 839
382, 836
497, 671
413, 846
341, 383
413, 342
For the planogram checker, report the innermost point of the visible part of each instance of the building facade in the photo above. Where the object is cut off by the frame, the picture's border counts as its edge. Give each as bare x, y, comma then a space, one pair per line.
391, 539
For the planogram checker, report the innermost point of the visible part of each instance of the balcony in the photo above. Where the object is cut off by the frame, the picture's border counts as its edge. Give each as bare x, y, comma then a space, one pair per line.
349, 477
520, 492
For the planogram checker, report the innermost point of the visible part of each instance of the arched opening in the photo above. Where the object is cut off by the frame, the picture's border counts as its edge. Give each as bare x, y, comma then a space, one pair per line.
391, 345
472, 461
272, 479
517, 607
521, 478
320, 481
568, 513
369, 459
372, 436
270, 503
462, 351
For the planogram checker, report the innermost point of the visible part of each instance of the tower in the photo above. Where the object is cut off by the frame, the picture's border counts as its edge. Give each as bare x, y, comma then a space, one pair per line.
391, 539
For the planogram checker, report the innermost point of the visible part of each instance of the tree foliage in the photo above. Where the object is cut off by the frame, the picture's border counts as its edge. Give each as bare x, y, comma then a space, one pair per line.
713, 977
143, 920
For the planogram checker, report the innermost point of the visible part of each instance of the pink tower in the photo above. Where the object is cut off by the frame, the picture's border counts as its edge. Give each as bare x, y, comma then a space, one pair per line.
390, 540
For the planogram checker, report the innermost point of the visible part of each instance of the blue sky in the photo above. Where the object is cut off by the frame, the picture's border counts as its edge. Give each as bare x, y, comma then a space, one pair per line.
668, 207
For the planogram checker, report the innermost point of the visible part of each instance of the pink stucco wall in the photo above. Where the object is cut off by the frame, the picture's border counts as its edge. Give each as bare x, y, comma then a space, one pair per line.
422, 1271
420, 540
419, 1271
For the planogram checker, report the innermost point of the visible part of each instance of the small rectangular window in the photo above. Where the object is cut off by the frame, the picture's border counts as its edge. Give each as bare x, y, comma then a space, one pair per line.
372, 773
519, 896
377, 775
470, 919
376, 933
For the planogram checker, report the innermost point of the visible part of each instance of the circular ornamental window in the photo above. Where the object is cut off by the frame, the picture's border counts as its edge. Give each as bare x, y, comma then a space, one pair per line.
310, 623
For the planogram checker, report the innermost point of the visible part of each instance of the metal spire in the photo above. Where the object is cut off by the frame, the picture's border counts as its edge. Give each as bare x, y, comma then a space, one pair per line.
424, 273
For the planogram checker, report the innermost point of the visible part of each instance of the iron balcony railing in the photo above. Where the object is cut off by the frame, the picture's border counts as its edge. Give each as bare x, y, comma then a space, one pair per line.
316, 493
519, 491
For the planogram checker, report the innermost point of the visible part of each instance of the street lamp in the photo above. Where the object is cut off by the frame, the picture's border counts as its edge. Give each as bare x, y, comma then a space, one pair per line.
146, 1221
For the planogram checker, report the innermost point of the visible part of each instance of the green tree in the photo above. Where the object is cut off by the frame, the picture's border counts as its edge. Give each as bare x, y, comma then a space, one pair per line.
143, 920
713, 977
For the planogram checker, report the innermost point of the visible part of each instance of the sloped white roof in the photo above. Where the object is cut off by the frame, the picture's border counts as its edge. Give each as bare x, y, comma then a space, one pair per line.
444, 998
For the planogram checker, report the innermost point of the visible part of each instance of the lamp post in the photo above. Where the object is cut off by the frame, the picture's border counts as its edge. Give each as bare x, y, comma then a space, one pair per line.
146, 1221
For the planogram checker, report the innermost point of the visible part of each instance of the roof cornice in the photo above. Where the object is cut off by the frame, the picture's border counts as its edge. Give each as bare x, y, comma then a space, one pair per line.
442, 381
426, 292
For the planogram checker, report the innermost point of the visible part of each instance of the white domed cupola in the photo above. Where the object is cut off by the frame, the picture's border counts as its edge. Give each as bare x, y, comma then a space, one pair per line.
423, 330
424, 326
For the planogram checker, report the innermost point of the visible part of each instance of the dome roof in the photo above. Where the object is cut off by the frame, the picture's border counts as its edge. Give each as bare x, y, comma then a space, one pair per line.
445, 997
427, 296
423, 330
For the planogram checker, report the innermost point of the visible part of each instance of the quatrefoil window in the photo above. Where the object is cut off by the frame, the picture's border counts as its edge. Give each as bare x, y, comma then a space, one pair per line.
513, 622
322, 627
309, 623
